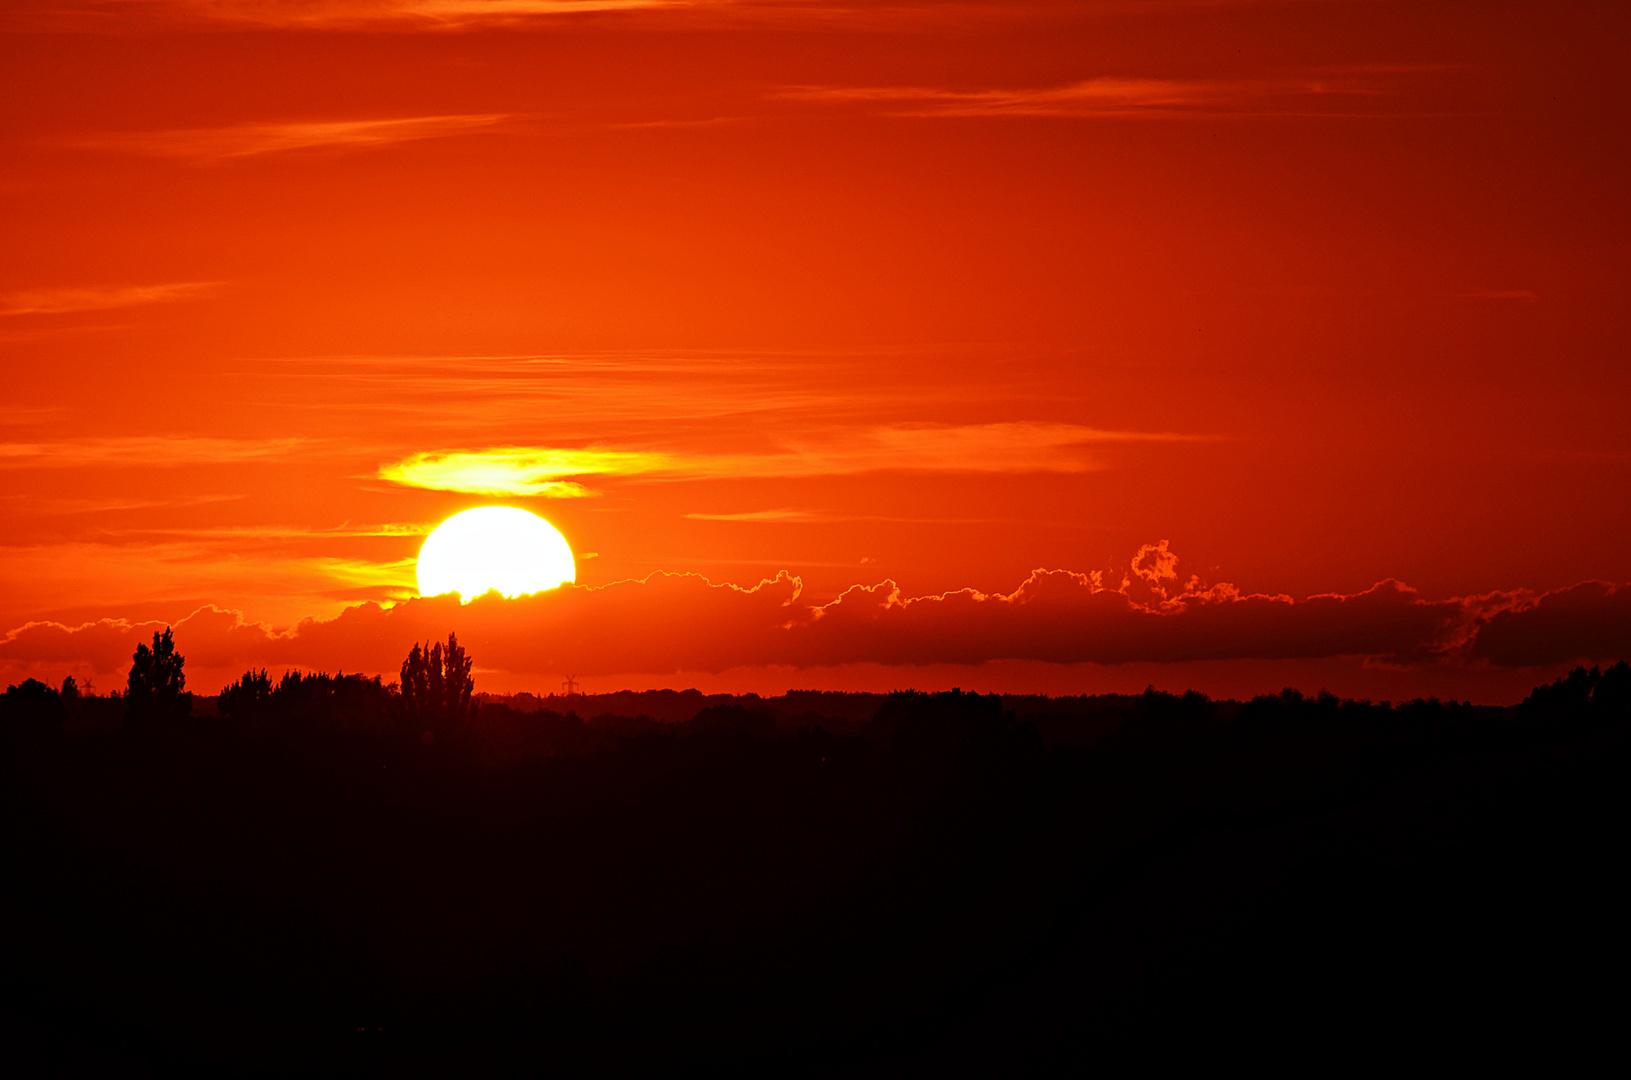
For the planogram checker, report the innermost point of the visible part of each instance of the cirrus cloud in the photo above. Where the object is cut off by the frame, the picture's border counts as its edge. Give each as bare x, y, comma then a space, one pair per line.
1012, 447
217, 144
1331, 91
144, 451
104, 298
328, 14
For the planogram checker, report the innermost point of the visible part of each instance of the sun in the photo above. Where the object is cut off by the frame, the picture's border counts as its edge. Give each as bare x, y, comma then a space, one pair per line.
494, 547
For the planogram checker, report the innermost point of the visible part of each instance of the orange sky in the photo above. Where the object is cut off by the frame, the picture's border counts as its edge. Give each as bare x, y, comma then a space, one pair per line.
1321, 294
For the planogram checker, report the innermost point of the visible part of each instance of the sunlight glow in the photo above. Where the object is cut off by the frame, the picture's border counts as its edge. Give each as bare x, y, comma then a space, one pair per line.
494, 547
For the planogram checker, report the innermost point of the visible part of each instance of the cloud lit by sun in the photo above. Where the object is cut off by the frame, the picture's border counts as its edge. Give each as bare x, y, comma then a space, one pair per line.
1010, 447
516, 470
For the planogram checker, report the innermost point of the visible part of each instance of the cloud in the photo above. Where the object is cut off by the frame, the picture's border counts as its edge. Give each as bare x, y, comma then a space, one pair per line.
635, 392
1101, 96
283, 577
782, 514
1329, 92
517, 470
331, 14
670, 622
115, 504
1588, 621
443, 15
248, 140
436, 12
460, 11
794, 515
1066, 617
144, 451
262, 532
62, 301
1012, 447
1524, 295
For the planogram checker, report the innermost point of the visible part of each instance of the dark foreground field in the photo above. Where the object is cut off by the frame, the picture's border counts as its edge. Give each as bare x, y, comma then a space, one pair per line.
818, 885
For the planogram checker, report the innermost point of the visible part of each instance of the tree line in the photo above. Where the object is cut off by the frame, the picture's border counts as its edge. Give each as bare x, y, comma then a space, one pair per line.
433, 699
341, 874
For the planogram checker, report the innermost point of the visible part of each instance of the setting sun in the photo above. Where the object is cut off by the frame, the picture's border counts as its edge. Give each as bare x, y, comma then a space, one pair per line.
494, 547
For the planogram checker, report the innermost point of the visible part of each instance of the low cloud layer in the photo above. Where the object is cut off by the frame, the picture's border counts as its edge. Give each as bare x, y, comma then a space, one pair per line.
683, 622
1588, 620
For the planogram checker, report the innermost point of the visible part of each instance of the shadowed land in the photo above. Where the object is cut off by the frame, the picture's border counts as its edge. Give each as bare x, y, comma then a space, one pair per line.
309, 873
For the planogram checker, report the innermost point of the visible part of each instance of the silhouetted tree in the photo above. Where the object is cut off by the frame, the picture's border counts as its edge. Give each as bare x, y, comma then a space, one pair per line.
1611, 698
1581, 695
154, 692
248, 697
308, 699
436, 689
33, 704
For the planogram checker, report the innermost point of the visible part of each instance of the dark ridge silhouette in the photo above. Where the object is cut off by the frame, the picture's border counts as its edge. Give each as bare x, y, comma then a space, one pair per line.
292, 878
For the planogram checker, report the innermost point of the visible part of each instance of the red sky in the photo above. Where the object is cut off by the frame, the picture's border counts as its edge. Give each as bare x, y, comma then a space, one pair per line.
1320, 294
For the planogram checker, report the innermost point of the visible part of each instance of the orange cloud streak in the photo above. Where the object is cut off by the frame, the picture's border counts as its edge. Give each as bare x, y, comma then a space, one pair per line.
1120, 97
63, 301
208, 145
1018, 447
146, 451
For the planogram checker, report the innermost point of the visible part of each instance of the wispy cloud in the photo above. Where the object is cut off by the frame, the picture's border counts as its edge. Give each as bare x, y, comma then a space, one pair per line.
60, 506
218, 144
581, 394
784, 514
488, 10
790, 515
278, 532
1014, 447
1522, 295
397, 578
1329, 92
427, 13
519, 470
446, 15
99, 298
144, 451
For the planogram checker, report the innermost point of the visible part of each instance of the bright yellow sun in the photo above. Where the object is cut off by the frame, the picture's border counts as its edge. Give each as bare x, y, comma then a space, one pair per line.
494, 547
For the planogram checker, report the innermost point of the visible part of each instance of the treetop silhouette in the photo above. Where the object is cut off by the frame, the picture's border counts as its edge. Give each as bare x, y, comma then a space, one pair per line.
154, 692
436, 689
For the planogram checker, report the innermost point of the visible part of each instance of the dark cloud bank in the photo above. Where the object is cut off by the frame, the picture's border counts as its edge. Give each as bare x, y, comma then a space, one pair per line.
682, 622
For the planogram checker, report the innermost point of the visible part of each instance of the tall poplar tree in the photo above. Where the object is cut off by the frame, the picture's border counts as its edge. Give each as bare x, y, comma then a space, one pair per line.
436, 689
